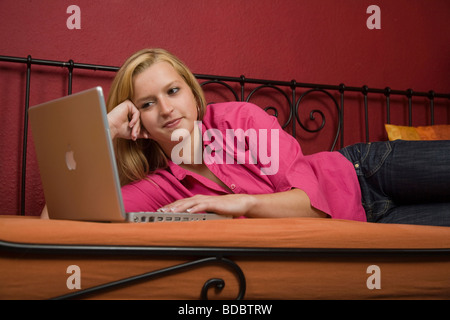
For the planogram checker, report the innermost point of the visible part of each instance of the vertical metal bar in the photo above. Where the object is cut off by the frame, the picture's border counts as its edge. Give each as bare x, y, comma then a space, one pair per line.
365, 90
242, 82
387, 93
25, 138
292, 106
409, 93
341, 113
431, 97
70, 67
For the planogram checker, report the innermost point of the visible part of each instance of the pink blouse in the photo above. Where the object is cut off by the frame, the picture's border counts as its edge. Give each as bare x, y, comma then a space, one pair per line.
250, 153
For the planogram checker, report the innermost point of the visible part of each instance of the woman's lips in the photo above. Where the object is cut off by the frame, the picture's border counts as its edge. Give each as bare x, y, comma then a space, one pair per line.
172, 123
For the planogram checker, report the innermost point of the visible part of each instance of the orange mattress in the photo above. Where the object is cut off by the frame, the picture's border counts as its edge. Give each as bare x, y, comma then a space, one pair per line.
291, 258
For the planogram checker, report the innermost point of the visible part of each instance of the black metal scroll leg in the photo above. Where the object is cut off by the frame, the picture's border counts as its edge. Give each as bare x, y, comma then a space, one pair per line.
218, 283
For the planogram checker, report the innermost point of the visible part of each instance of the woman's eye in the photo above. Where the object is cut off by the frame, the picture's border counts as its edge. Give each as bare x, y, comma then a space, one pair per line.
173, 90
147, 104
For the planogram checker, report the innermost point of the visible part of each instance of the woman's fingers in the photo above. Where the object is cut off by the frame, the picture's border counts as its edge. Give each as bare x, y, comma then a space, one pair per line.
138, 131
134, 120
124, 121
183, 205
133, 113
235, 204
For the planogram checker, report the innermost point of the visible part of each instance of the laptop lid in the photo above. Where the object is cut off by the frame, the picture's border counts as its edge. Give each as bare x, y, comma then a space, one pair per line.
76, 158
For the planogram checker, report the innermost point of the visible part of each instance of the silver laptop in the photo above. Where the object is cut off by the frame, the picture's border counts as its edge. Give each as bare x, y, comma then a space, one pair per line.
77, 163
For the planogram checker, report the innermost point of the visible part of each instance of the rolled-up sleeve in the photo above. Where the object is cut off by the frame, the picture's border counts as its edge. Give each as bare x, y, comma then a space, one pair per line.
328, 178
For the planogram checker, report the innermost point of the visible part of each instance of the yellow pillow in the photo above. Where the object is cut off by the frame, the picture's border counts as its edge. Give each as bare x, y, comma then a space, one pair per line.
436, 132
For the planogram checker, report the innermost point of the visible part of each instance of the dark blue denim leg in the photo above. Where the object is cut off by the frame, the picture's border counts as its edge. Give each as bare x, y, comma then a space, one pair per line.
394, 175
418, 172
435, 214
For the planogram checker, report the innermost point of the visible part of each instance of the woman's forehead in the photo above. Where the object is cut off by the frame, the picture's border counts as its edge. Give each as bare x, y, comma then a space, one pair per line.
156, 77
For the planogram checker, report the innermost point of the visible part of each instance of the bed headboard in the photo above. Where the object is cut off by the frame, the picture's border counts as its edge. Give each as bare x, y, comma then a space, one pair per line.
320, 116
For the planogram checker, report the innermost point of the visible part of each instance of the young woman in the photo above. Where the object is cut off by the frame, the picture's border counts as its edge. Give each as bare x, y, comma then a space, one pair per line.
176, 154
154, 95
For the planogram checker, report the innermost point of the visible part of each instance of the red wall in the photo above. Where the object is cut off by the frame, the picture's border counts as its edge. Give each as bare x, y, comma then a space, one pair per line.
321, 41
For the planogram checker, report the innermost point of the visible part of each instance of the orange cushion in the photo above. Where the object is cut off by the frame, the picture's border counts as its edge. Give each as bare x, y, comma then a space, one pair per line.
436, 132
26, 274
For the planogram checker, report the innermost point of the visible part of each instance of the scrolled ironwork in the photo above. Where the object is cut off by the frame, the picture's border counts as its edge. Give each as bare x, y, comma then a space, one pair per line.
275, 110
317, 111
271, 107
220, 283
226, 85
214, 282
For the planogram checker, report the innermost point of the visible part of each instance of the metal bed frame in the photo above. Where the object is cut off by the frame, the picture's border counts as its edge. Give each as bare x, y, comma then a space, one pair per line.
242, 89
200, 256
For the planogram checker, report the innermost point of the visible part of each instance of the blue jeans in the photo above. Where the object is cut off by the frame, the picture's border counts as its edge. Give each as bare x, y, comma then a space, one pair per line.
403, 181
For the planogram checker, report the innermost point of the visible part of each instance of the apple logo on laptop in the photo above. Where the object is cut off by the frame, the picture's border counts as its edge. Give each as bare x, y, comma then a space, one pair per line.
70, 159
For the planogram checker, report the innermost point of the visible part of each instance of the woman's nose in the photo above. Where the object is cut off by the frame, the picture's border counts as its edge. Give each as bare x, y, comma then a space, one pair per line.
165, 107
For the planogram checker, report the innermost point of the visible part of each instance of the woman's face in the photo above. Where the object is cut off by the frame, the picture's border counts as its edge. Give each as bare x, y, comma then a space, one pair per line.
166, 103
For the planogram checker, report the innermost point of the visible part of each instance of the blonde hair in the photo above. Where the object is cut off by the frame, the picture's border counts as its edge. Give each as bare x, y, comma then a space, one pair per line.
137, 159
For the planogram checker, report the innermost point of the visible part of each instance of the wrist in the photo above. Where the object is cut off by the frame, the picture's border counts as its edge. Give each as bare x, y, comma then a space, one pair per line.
112, 129
251, 205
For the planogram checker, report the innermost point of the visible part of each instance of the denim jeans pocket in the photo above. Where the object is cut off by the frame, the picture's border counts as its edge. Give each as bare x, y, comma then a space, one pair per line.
368, 159
377, 210
374, 156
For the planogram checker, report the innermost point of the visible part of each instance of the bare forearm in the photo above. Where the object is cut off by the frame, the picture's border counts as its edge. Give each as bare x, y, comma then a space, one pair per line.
292, 203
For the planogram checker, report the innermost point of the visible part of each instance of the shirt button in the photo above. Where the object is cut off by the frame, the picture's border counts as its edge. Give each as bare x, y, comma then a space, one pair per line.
357, 166
232, 186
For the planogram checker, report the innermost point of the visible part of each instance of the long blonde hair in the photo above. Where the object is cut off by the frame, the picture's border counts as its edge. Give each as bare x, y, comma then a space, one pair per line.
136, 159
